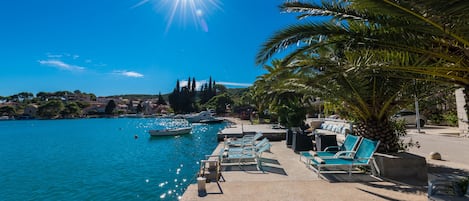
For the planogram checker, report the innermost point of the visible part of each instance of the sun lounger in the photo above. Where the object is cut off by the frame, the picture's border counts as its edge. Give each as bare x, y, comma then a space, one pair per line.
350, 143
247, 140
361, 157
241, 158
256, 147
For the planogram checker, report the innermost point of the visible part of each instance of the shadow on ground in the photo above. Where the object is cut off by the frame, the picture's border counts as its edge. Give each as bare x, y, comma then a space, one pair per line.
267, 167
341, 177
445, 172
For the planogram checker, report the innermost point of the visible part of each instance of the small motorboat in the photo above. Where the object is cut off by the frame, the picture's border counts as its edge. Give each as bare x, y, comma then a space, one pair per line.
212, 120
170, 131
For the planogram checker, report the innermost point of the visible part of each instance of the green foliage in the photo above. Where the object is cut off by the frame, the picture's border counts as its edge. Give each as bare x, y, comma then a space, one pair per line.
110, 107
436, 118
161, 100
219, 103
292, 115
72, 109
82, 104
367, 56
7, 111
51, 109
220, 89
182, 100
207, 91
399, 128
451, 118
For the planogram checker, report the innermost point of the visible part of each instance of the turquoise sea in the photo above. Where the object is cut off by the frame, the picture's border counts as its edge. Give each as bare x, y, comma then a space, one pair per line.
99, 159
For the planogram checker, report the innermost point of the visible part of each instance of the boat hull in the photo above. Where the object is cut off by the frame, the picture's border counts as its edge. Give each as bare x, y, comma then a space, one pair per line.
170, 132
211, 121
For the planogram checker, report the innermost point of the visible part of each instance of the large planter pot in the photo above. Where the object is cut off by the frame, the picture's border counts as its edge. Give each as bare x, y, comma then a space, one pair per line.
289, 138
403, 166
301, 142
324, 141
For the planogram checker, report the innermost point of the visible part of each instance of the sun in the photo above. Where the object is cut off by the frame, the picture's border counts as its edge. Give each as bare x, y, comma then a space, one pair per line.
186, 11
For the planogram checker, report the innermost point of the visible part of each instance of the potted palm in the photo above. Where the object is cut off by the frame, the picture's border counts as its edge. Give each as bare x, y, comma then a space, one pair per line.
293, 117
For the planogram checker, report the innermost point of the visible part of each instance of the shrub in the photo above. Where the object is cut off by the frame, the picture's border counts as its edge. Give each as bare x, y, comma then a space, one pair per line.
400, 130
451, 118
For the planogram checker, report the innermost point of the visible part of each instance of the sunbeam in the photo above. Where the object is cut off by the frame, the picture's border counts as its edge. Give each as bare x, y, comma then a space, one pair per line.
185, 10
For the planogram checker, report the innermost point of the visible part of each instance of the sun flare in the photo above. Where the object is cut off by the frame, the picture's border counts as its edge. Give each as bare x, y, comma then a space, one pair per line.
186, 11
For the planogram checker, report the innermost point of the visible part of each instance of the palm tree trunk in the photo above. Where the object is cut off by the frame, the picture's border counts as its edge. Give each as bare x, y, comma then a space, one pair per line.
379, 130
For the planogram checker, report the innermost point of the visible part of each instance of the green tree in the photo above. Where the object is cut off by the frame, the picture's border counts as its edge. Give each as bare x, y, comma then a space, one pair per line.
71, 110
219, 103
82, 104
92, 97
279, 92
139, 109
430, 38
7, 111
110, 107
25, 96
51, 109
367, 50
174, 98
161, 100
220, 89
207, 91
43, 96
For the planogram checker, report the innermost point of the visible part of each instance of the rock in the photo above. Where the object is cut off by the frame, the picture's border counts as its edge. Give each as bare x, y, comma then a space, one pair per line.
435, 156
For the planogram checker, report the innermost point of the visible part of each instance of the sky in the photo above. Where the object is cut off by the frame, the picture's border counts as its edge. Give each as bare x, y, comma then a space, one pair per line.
110, 47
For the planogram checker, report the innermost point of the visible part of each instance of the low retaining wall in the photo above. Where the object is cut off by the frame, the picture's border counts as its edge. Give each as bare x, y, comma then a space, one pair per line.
403, 166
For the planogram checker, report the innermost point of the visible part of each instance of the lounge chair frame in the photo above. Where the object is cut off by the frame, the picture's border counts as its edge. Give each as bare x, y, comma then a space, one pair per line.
349, 164
241, 157
343, 150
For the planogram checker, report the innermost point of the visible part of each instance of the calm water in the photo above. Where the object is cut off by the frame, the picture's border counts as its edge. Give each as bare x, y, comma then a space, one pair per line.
99, 159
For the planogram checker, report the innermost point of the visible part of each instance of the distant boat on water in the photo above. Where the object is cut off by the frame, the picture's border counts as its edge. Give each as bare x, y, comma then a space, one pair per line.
211, 120
170, 131
202, 117
6, 118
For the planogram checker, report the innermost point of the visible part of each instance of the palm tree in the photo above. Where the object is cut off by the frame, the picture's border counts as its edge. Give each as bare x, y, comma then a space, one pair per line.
431, 37
278, 92
375, 45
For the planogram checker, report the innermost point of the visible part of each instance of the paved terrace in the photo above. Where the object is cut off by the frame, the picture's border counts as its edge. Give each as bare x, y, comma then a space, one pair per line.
287, 178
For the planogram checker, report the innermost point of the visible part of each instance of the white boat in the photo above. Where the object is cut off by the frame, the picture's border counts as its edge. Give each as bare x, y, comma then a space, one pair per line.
211, 120
202, 117
170, 131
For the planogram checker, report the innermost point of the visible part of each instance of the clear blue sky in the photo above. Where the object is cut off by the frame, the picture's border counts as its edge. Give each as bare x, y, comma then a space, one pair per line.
110, 47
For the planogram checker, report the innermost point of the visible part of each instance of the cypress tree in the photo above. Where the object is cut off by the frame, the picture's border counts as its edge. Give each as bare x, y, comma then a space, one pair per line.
189, 83
210, 84
174, 98
193, 85
214, 93
178, 89
161, 100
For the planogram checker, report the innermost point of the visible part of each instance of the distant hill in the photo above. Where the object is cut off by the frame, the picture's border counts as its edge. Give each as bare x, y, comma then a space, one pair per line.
235, 94
137, 96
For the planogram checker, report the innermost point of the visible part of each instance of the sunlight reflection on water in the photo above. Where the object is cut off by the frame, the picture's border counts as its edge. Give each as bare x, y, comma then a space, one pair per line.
99, 159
